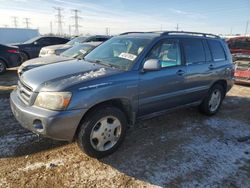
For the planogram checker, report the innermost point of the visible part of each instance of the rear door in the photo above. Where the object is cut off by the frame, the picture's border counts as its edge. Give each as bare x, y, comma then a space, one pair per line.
220, 65
198, 61
163, 89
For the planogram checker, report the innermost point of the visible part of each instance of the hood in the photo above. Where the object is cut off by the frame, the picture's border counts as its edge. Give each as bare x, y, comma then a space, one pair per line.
45, 60
54, 77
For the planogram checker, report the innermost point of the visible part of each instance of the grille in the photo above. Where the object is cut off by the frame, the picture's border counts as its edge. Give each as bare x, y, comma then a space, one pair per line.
24, 92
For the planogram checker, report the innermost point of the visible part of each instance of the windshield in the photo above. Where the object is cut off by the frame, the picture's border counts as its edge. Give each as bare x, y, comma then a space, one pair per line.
76, 40
78, 51
31, 40
120, 52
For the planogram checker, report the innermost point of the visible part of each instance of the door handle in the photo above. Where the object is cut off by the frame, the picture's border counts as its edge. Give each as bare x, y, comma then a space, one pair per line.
211, 67
180, 72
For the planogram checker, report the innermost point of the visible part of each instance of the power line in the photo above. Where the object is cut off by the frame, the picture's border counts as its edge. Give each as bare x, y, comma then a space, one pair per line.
76, 17
27, 22
15, 21
59, 20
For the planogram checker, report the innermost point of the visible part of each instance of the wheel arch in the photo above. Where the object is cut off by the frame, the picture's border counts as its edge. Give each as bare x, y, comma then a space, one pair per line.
223, 83
123, 104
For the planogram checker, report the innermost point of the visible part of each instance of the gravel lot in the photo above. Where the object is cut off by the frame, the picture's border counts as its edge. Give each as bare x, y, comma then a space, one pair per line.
181, 149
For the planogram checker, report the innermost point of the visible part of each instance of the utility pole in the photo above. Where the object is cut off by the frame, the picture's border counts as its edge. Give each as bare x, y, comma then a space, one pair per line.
51, 27
27, 22
246, 28
69, 30
107, 31
14, 18
76, 18
177, 27
59, 20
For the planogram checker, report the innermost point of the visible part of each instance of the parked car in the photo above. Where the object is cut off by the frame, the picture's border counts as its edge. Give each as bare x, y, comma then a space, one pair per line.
76, 52
129, 77
239, 45
31, 48
9, 57
242, 68
58, 49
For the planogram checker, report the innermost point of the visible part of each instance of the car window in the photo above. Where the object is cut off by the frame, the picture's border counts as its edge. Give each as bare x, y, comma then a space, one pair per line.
217, 50
194, 51
120, 52
167, 52
44, 41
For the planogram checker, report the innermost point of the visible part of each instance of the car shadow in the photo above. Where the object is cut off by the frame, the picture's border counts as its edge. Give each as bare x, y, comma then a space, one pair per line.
169, 150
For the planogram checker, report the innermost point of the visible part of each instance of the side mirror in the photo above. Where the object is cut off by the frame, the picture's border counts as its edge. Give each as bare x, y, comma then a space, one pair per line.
35, 43
152, 65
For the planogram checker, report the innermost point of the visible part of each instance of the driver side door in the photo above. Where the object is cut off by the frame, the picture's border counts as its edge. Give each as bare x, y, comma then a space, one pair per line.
162, 89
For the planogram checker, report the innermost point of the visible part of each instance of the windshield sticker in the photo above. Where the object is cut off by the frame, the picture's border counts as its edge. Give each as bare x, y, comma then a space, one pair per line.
83, 51
128, 56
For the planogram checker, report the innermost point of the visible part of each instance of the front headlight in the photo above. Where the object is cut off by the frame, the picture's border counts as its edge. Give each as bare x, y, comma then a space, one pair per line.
51, 52
53, 100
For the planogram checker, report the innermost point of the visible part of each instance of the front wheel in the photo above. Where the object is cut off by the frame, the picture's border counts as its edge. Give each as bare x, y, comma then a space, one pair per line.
102, 131
211, 104
2, 67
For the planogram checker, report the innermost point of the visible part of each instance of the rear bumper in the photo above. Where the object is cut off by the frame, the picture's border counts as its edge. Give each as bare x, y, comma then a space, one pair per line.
59, 125
242, 81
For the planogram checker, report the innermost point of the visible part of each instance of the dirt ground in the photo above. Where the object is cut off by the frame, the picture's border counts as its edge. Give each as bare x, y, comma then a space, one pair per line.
181, 149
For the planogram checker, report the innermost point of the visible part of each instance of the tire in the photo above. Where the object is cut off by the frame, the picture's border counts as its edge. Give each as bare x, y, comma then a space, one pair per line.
2, 67
209, 106
24, 56
93, 135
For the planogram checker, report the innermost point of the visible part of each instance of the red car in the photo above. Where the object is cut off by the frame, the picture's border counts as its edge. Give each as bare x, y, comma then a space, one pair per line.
242, 68
239, 45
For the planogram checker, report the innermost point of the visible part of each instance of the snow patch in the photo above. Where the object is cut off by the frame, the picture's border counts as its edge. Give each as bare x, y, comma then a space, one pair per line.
47, 165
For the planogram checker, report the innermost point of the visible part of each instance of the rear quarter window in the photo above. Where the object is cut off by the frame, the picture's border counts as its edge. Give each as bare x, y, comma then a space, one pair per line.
218, 53
194, 51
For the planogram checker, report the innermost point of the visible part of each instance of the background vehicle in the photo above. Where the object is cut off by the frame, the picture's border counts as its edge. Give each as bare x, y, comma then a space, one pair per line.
9, 57
57, 49
242, 68
239, 45
78, 51
129, 77
31, 48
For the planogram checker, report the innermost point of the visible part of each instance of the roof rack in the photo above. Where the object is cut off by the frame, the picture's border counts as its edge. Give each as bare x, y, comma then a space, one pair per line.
132, 32
189, 33
175, 32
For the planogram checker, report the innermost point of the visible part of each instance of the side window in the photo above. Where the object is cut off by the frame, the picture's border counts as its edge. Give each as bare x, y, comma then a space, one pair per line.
44, 41
194, 51
168, 52
217, 50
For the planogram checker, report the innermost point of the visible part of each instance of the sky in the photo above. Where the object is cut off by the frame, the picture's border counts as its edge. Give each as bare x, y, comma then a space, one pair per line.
213, 16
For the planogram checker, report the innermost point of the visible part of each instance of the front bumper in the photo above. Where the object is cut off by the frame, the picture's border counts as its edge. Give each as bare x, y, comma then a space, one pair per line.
59, 125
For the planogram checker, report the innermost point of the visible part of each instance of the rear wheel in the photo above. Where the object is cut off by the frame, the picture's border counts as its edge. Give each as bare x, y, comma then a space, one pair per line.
2, 67
24, 56
211, 104
102, 132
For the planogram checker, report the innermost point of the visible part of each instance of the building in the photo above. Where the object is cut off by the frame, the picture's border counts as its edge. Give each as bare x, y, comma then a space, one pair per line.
16, 35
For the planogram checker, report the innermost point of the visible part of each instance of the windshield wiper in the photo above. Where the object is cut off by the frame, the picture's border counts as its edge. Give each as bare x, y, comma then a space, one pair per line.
98, 61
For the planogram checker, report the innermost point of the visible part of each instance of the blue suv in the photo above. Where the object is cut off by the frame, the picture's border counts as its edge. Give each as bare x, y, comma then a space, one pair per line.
132, 76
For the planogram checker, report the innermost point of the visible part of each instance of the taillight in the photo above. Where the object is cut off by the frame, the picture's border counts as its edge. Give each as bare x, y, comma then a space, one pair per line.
12, 51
